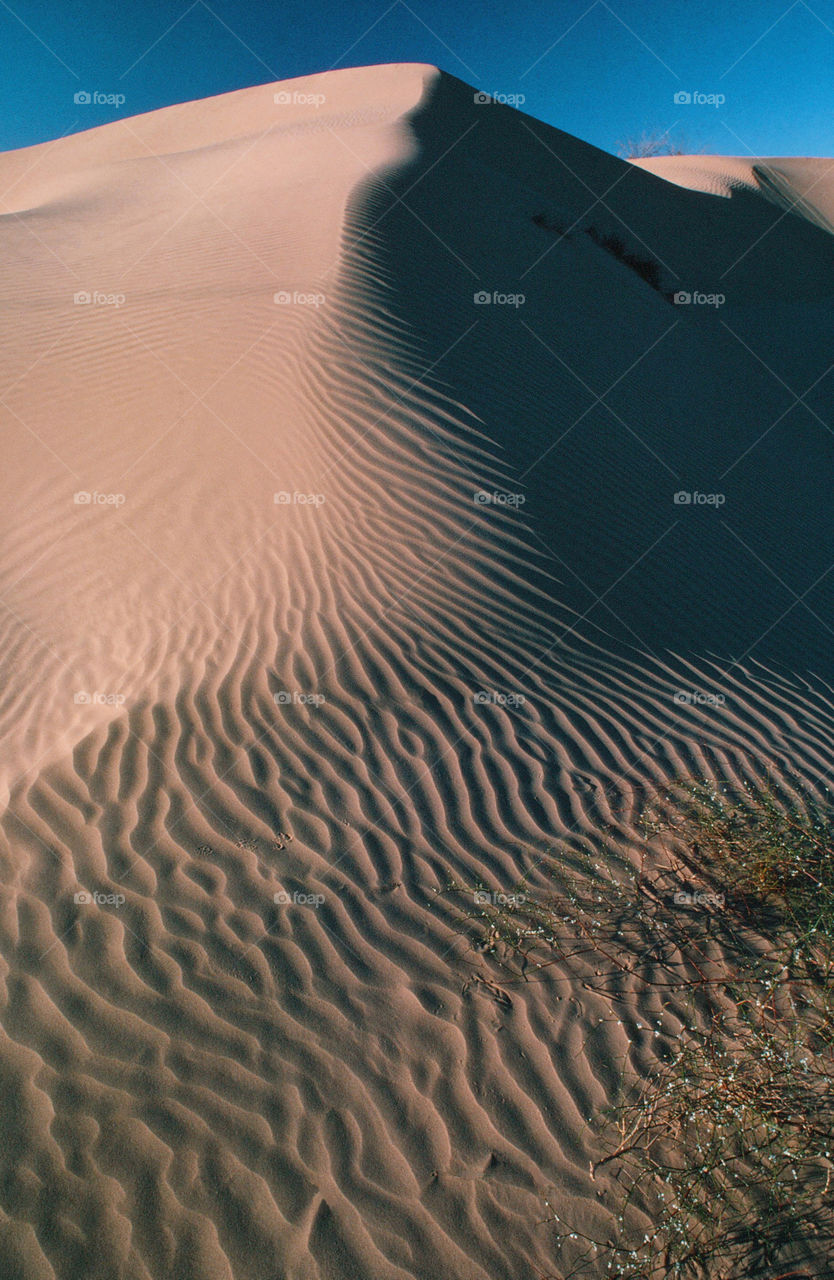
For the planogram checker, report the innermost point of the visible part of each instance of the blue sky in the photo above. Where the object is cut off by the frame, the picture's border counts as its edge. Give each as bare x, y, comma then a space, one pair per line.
605, 71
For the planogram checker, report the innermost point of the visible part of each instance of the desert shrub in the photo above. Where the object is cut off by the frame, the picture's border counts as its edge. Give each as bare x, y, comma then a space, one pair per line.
647, 268
647, 145
549, 223
724, 1150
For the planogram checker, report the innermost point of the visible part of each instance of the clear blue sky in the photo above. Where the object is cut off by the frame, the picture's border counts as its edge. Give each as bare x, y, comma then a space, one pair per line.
603, 71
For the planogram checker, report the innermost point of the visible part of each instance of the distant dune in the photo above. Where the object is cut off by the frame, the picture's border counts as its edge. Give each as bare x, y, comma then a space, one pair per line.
394, 488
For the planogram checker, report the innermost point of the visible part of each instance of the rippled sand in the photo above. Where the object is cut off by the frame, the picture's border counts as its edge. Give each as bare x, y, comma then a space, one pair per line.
325, 584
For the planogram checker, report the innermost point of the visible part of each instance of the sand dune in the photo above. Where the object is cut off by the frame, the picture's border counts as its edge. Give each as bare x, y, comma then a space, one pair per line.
324, 579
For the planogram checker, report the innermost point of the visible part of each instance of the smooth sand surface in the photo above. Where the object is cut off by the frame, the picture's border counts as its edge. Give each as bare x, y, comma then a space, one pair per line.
376, 684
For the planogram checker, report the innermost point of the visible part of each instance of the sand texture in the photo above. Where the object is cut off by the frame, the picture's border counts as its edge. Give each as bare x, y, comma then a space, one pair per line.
377, 683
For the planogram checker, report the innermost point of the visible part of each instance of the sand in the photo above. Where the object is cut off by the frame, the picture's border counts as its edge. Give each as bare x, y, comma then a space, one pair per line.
322, 579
